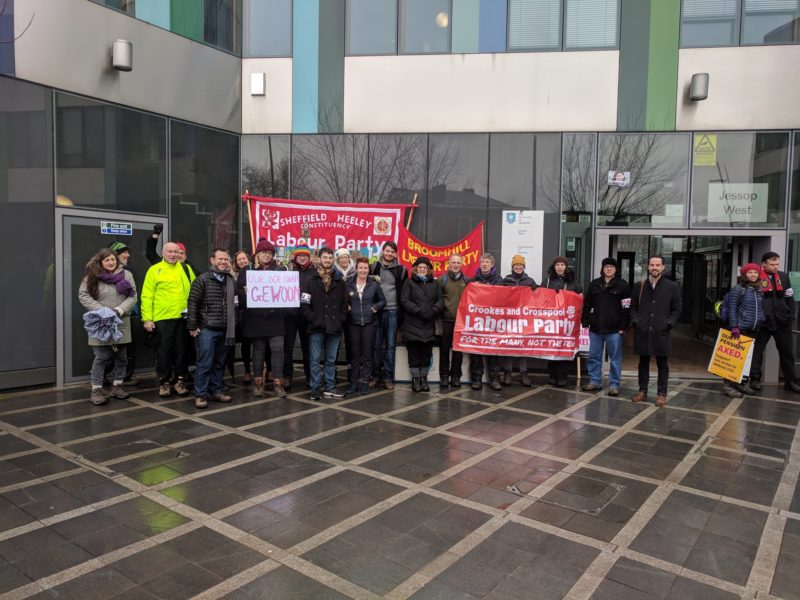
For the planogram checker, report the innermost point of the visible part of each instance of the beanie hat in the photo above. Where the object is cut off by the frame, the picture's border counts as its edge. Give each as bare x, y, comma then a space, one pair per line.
560, 259
769, 255
422, 260
301, 248
118, 247
264, 245
181, 246
341, 252
750, 267
517, 259
610, 261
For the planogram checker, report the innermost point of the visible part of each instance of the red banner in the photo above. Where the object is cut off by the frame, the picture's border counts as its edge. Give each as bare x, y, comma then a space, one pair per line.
362, 228
409, 248
518, 322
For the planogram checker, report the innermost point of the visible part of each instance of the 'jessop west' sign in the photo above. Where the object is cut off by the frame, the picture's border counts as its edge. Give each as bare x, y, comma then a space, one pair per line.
738, 202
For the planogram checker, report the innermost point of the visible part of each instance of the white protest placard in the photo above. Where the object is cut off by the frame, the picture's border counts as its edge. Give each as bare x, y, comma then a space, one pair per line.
273, 289
522, 234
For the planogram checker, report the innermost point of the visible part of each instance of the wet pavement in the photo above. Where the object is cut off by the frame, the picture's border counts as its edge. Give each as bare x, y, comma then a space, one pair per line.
526, 493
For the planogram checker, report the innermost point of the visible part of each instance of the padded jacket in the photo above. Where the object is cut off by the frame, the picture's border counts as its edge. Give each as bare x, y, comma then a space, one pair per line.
165, 291
746, 308
363, 308
422, 303
207, 307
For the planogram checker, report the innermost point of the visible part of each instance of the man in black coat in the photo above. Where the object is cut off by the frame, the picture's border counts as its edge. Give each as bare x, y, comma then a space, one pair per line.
606, 312
211, 321
655, 309
323, 305
485, 275
778, 312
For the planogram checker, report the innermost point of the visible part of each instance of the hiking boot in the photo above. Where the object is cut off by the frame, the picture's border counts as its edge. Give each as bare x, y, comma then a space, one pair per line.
506, 379
389, 385
612, 391
416, 384
424, 384
526, 379
277, 387
118, 392
640, 396
661, 400
200, 402
476, 385
729, 390
455, 382
258, 387
755, 384
591, 387
495, 384
164, 390
745, 388
444, 382
363, 388
180, 387
98, 398
221, 398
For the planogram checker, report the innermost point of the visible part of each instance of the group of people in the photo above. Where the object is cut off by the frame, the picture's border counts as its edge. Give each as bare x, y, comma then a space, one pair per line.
370, 306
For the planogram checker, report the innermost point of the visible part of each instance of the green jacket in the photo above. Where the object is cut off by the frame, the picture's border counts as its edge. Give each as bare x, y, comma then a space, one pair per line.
451, 292
166, 291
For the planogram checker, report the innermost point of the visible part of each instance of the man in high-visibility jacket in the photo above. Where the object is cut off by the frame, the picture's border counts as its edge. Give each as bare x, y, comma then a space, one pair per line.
165, 294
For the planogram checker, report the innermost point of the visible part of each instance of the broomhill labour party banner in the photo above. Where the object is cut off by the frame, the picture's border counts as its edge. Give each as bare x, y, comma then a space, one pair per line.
361, 228
518, 321
409, 248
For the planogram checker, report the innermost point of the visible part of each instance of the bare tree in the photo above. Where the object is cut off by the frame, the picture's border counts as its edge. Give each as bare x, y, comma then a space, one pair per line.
5, 12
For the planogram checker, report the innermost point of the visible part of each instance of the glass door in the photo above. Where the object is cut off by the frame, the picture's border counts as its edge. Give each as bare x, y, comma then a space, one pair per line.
82, 234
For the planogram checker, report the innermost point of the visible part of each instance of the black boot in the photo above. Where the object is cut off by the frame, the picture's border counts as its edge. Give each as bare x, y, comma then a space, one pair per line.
424, 384
792, 386
494, 383
455, 382
416, 384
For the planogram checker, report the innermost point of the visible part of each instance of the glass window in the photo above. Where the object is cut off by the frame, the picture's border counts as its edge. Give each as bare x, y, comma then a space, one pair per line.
425, 26
591, 24
795, 195
534, 24
205, 204
643, 180
771, 22
739, 179
709, 23
329, 168
123, 5
110, 158
479, 26
267, 28
577, 207
222, 24
26, 227
153, 11
458, 174
265, 165
371, 27
7, 33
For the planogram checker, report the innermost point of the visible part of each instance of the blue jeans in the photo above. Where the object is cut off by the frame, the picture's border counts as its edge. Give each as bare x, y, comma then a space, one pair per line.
613, 344
211, 354
383, 359
317, 344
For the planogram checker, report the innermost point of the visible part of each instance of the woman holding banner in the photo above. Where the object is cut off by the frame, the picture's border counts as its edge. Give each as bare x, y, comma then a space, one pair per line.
517, 277
560, 277
421, 301
365, 299
264, 326
745, 316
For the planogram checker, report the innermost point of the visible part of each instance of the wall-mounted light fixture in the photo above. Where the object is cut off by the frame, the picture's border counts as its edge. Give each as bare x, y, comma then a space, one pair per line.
699, 88
122, 55
258, 84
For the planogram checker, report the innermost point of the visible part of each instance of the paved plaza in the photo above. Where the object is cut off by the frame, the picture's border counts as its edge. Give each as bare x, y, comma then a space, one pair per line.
524, 494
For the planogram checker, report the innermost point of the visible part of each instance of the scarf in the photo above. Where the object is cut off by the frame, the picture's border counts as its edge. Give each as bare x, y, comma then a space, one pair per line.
230, 313
118, 281
768, 285
455, 276
327, 277
422, 278
304, 267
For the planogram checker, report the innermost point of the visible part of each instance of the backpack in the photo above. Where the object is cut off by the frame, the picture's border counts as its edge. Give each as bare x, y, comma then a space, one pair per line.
723, 307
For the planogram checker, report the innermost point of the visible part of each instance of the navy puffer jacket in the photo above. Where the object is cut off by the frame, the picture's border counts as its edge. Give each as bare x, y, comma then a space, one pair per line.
746, 308
364, 307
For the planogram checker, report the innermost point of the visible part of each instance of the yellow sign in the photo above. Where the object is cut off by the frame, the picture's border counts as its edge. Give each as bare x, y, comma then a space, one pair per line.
732, 356
705, 149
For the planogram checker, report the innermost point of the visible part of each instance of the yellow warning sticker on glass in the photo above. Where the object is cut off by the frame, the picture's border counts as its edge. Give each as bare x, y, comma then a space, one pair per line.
705, 149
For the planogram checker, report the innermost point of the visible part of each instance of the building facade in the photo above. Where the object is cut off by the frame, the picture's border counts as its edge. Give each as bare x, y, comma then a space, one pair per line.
474, 106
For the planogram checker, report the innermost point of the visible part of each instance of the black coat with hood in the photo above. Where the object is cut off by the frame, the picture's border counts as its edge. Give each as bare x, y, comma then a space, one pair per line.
522, 280
606, 306
562, 282
422, 302
324, 312
778, 304
260, 322
490, 278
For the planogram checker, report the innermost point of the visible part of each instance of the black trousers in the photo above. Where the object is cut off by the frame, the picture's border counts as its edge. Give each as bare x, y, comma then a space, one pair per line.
268, 350
419, 357
476, 366
172, 351
663, 373
446, 367
783, 342
558, 370
362, 344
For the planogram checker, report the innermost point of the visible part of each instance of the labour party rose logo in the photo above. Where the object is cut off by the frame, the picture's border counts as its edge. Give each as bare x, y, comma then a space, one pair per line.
382, 226
270, 218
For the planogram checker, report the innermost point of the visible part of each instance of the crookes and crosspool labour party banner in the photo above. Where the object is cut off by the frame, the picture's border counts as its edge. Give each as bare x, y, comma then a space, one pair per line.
517, 321
362, 228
